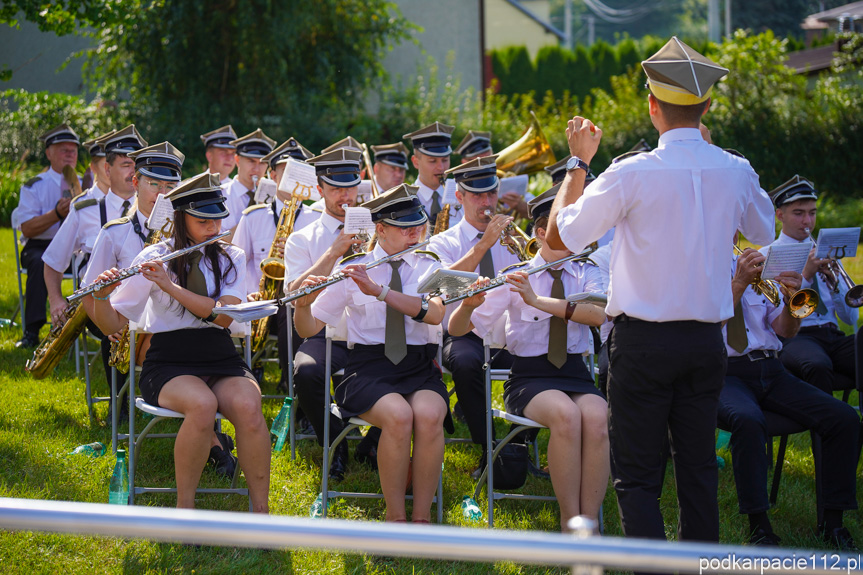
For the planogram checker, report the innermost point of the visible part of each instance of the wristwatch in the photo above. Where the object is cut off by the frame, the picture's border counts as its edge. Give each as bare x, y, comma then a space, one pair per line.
575, 162
424, 309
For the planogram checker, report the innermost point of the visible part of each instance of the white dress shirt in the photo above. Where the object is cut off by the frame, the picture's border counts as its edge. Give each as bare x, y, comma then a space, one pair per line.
426, 197
142, 301
40, 198
676, 209
237, 201
223, 181
526, 326
80, 229
454, 243
758, 314
602, 258
366, 316
834, 302
306, 246
116, 246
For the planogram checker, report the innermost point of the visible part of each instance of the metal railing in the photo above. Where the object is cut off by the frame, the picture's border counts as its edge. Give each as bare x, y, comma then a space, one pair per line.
585, 552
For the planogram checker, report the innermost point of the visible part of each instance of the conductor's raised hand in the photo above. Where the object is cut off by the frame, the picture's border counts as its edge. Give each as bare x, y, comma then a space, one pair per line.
583, 138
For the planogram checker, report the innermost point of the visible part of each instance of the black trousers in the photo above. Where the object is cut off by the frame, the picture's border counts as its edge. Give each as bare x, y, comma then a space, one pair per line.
36, 295
664, 380
463, 356
817, 354
309, 369
754, 386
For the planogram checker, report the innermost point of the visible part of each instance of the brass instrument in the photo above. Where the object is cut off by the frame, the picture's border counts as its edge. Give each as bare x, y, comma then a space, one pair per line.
273, 269
517, 242
527, 155
801, 303
72, 179
441, 223
58, 341
368, 162
854, 296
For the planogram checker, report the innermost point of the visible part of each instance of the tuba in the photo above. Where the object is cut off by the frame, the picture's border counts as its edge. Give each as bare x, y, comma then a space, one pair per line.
527, 155
58, 341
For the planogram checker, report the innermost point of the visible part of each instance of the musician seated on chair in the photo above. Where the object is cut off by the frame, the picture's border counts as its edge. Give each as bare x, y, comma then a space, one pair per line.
756, 381
820, 350
192, 365
549, 382
478, 145
240, 191
391, 379
431, 158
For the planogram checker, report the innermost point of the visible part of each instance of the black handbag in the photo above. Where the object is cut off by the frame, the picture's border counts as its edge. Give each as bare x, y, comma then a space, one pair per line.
510, 466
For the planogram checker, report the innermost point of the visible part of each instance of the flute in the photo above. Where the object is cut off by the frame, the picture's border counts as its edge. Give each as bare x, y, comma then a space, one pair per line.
339, 276
136, 269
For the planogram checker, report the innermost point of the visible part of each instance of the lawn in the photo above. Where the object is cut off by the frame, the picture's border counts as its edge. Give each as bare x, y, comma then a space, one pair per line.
42, 421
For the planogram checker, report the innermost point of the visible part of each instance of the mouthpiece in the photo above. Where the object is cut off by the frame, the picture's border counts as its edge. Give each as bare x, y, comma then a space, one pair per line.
487, 213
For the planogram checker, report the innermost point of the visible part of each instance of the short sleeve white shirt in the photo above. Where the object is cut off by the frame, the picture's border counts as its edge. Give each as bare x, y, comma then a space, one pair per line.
306, 246
40, 198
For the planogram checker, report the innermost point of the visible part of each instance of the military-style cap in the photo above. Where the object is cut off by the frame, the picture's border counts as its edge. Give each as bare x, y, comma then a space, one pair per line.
557, 171
220, 138
200, 196
432, 140
541, 205
339, 168
125, 141
392, 155
160, 162
255, 145
473, 144
289, 149
349, 143
93, 146
797, 188
478, 175
398, 206
677, 74
61, 133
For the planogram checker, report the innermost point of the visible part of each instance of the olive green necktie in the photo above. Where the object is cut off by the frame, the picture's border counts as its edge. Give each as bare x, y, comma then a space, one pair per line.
486, 264
251, 199
820, 309
557, 325
735, 330
435, 207
125, 210
195, 281
395, 340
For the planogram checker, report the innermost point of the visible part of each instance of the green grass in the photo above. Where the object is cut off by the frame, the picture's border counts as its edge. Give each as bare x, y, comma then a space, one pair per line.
42, 421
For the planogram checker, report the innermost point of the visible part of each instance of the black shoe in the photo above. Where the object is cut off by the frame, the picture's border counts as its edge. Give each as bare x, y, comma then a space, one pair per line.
457, 412
28, 341
369, 457
839, 538
221, 458
258, 372
764, 538
304, 426
123, 417
536, 471
476, 473
340, 462
283, 386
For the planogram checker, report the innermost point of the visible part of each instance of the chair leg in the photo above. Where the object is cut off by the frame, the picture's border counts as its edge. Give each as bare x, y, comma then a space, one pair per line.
777, 470
325, 460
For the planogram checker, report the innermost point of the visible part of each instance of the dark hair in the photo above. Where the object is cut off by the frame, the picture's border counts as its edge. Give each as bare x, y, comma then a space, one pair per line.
541, 222
678, 115
111, 157
180, 266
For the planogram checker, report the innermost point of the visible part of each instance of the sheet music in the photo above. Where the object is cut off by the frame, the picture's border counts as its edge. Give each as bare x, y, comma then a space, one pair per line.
248, 311
300, 179
162, 213
830, 239
517, 184
266, 191
595, 298
447, 282
449, 189
358, 220
785, 258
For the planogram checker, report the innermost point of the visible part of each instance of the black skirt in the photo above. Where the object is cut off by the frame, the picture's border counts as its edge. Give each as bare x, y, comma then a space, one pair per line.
201, 352
369, 376
530, 376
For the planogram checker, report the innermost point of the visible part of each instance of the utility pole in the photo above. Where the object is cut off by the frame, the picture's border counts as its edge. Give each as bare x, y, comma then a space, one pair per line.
591, 29
728, 31
567, 23
713, 20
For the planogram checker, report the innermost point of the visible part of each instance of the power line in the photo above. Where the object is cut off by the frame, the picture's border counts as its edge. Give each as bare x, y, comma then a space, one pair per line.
625, 15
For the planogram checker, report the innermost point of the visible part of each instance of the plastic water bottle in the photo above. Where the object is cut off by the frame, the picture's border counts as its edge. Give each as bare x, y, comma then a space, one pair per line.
281, 425
722, 439
316, 511
720, 462
118, 493
469, 509
95, 449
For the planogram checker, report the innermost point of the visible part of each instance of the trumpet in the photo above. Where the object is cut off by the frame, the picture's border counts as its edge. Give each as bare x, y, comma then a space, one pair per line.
801, 303
501, 279
854, 296
516, 241
136, 269
339, 276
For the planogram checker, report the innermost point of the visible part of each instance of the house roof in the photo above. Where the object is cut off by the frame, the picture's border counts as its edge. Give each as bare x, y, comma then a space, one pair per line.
820, 20
812, 60
548, 27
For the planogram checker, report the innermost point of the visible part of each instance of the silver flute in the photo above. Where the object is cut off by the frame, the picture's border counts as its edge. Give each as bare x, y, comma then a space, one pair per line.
136, 269
501, 279
339, 276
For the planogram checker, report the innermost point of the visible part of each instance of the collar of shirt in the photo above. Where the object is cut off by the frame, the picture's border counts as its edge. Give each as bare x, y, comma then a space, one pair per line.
235, 186
466, 229
786, 239
280, 205
329, 222
54, 176
115, 202
378, 252
538, 260
425, 193
679, 134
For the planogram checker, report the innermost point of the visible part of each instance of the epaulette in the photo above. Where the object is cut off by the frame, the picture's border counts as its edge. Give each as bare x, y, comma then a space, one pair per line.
512, 267
429, 254
734, 152
117, 222
626, 155
32, 181
85, 203
254, 207
352, 257
319, 210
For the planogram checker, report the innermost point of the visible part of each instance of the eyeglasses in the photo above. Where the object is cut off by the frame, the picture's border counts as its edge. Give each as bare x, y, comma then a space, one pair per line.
158, 187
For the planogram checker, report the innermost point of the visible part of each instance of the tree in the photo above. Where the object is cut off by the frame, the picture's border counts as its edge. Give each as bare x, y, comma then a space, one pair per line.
551, 66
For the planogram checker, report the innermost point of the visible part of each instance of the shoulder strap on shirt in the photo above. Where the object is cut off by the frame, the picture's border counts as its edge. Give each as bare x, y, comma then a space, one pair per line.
513, 267
429, 254
85, 203
117, 222
32, 181
254, 207
352, 257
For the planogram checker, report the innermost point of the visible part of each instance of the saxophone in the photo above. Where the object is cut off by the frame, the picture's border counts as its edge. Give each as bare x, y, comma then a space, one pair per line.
58, 341
441, 224
273, 270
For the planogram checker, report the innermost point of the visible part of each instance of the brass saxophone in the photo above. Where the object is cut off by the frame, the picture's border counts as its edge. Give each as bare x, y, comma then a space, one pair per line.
273, 270
58, 341
442, 222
